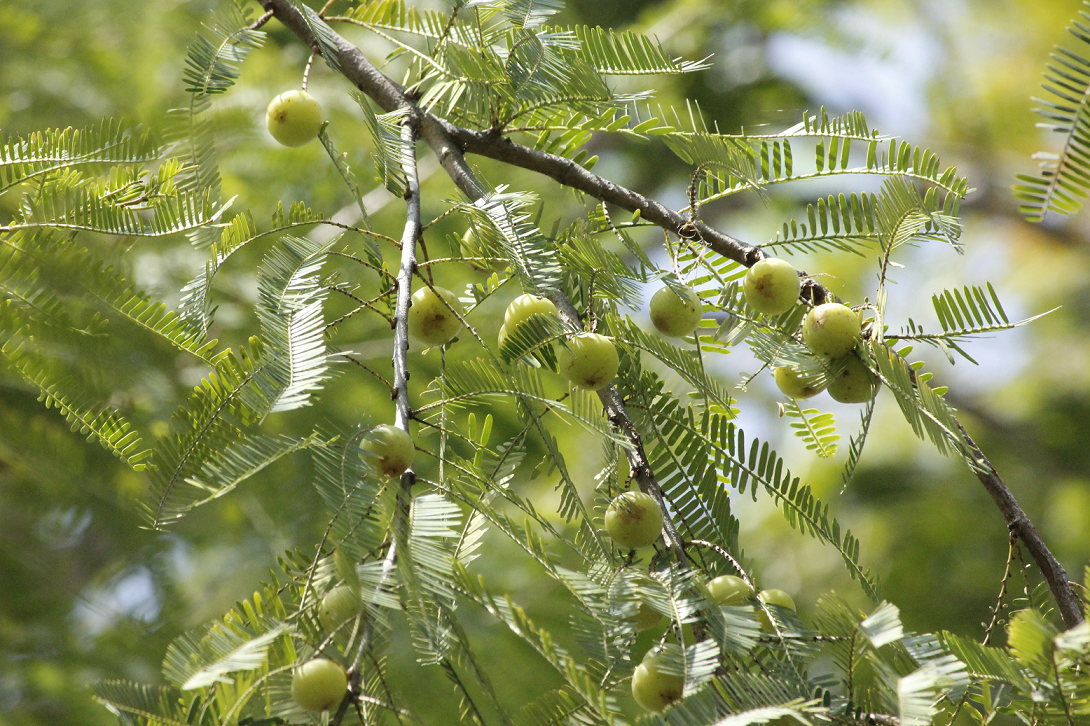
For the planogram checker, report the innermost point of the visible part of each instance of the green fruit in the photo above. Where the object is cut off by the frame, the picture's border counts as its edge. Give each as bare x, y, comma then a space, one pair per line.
831, 330
773, 597
633, 520
501, 338
589, 360
340, 604
651, 687
523, 306
294, 118
729, 590
472, 248
431, 321
673, 315
772, 286
318, 685
393, 447
646, 617
854, 384
792, 384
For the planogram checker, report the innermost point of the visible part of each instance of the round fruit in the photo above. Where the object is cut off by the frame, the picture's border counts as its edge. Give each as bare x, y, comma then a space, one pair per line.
471, 248
792, 384
633, 520
772, 286
729, 590
523, 306
831, 330
651, 687
340, 604
294, 118
318, 685
646, 617
430, 319
502, 336
773, 597
675, 315
854, 384
589, 360
393, 447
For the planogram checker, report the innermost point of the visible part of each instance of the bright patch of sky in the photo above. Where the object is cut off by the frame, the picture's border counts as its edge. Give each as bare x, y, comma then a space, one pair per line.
886, 77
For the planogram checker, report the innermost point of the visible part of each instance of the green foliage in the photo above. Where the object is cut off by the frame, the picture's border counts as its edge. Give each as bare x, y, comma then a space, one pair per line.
416, 546
1062, 181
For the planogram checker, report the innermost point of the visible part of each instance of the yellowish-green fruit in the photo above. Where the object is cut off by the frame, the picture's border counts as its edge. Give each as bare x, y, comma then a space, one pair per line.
294, 118
340, 604
318, 685
772, 286
472, 248
633, 520
393, 447
646, 617
523, 306
651, 687
673, 315
773, 597
792, 384
854, 384
831, 330
502, 336
431, 321
729, 590
589, 360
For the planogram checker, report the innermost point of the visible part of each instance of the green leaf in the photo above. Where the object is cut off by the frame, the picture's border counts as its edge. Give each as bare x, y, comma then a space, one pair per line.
816, 429
290, 308
1063, 178
45, 152
159, 706
212, 63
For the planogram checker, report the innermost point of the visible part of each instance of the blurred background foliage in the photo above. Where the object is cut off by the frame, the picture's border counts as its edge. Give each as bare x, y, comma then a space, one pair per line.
87, 593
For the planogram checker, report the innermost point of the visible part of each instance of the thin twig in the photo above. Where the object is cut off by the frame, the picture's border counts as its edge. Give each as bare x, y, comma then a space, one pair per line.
403, 413
348, 357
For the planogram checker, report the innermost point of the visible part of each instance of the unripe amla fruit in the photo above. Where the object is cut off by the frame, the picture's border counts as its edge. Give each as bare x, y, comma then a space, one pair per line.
472, 248
794, 384
340, 604
431, 321
393, 447
675, 315
651, 686
523, 306
854, 384
831, 330
773, 597
318, 685
729, 590
294, 118
646, 617
588, 360
772, 286
633, 520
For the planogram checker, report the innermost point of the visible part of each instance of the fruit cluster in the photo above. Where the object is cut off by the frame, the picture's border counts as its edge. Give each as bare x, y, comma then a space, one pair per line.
589, 360
831, 331
657, 681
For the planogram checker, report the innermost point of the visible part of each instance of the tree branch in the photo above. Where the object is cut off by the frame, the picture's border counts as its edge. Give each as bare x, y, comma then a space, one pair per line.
450, 144
1021, 526
403, 413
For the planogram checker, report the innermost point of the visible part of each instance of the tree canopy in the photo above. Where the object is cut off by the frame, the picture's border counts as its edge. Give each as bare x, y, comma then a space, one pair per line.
209, 356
